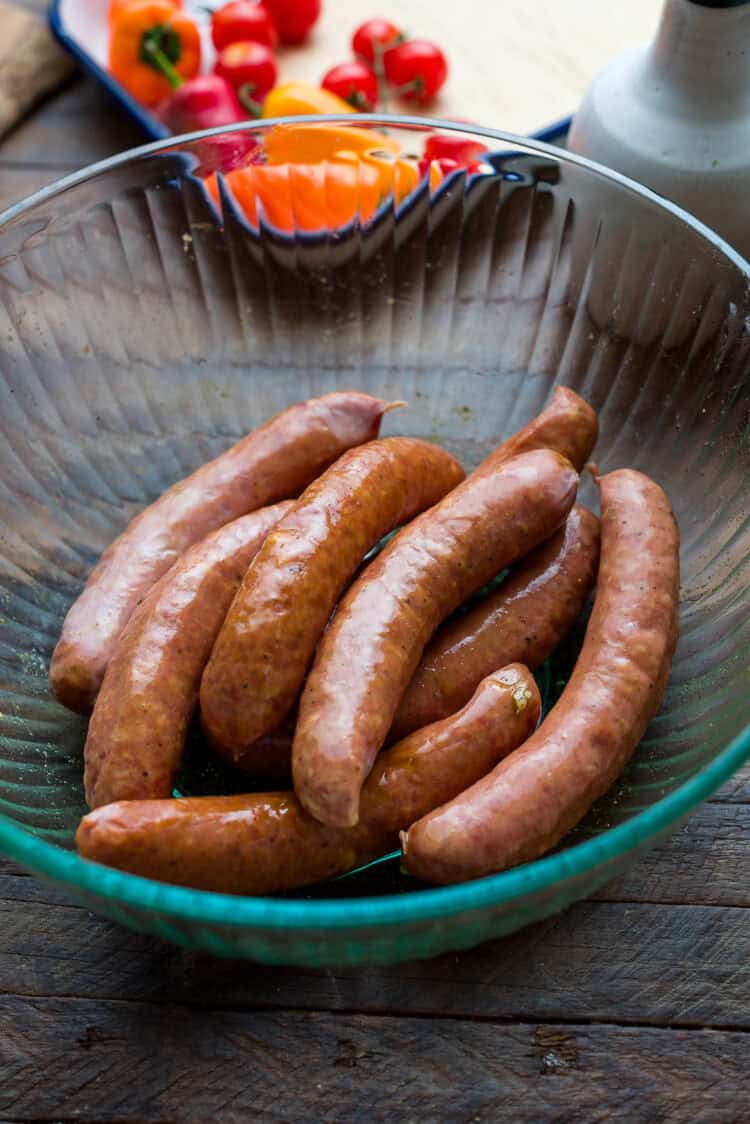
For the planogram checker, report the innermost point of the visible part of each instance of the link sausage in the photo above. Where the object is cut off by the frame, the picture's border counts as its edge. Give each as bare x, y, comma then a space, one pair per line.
568, 425
266, 842
528, 803
265, 645
372, 647
523, 621
150, 690
275, 462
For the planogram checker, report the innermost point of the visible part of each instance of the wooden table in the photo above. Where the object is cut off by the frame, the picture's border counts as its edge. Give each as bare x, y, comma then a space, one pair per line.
634, 1006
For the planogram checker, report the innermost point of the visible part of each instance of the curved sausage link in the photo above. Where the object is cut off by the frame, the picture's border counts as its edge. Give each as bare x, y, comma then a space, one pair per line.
264, 843
528, 803
523, 621
150, 690
272, 463
567, 425
265, 646
371, 649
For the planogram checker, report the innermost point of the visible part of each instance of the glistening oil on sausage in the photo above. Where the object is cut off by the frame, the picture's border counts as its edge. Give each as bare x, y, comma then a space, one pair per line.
258, 664
150, 691
272, 463
521, 622
371, 648
529, 801
264, 843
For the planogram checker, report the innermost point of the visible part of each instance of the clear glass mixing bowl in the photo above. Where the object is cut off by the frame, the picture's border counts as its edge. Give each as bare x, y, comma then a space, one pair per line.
141, 333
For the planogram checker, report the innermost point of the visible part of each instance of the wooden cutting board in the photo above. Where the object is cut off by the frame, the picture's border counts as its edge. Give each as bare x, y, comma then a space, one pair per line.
31, 63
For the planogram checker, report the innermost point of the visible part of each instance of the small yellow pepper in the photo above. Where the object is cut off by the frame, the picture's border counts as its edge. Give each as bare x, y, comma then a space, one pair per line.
296, 98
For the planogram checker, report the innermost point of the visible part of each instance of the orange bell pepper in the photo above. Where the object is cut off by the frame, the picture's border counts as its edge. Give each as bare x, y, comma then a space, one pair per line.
116, 6
147, 30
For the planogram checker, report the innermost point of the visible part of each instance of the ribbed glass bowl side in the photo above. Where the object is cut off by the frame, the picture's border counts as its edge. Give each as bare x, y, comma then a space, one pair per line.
141, 334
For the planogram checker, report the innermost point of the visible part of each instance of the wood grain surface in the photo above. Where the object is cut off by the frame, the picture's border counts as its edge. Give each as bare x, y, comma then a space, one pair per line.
634, 1006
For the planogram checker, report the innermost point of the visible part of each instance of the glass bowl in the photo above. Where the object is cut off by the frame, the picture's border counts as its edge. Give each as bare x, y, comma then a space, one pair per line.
141, 332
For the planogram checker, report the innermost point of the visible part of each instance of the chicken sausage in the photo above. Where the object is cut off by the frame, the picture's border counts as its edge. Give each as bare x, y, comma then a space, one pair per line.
272, 463
265, 645
266, 842
371, 649
150, 690
529, 801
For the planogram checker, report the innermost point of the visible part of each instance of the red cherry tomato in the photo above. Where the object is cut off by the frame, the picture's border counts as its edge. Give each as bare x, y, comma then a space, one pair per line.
355, 83
416, 69
373, 37
294, 19
242, 21
249, 68
460, 149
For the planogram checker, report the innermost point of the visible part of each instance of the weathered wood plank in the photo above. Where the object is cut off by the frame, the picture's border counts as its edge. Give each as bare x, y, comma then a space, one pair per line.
17, 182
125, 1062
657, 964
705, 862
77, 127
737, 788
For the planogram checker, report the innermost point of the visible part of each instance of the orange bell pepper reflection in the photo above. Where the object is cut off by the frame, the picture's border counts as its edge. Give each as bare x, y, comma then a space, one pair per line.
321, 177
141, 27
303, 197
310, 142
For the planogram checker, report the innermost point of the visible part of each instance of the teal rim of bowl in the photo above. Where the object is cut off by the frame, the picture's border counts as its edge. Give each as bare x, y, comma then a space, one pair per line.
392, 909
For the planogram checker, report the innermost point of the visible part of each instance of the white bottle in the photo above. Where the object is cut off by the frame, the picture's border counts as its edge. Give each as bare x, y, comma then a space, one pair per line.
676, 115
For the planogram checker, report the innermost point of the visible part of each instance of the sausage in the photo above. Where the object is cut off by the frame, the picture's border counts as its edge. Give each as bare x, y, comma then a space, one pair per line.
267, 759
523, 621
150, 690
528, 803
266, 644
274, 462
372, 647
264, 843
568, 425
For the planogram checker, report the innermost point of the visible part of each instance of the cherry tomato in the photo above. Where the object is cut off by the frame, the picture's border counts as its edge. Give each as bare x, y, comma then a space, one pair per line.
416, 69
294, 19
250, 68
460, 149
373, 37
355, 83
241, 21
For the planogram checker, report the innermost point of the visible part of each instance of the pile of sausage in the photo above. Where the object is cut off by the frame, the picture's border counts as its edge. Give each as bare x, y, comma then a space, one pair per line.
249, 593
